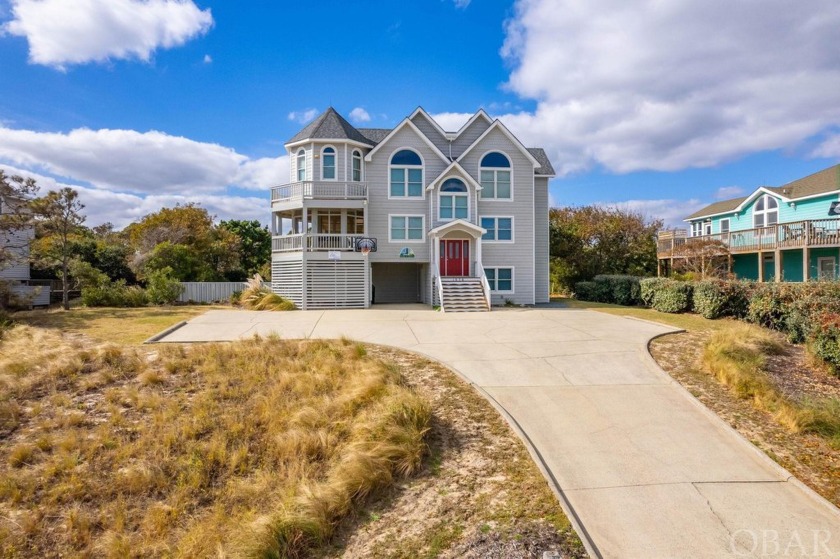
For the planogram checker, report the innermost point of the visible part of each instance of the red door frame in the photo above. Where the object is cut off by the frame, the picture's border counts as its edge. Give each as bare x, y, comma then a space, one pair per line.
454, 257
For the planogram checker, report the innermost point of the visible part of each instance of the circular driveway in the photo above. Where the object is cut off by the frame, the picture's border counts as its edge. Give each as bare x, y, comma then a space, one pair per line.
641, 467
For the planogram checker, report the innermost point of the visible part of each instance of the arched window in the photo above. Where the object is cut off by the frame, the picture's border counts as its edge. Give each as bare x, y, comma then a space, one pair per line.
766, 211
494, 172
357, 165
328, 164
301, 165
454, 200
406, 175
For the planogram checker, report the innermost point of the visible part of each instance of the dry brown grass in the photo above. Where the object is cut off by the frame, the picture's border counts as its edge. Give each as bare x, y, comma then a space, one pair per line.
256, 448
256, 297
737, 356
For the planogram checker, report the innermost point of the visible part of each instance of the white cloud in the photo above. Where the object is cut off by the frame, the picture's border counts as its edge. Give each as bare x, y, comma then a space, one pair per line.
461, 4
359, 115
671, 212
304, 116
634, 85
727, 192
67, 32
830, 147
451, 122
208, 59
121, 208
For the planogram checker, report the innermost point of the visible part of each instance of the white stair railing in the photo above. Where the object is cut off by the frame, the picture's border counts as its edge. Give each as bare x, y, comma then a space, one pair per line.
485, 285
439, 285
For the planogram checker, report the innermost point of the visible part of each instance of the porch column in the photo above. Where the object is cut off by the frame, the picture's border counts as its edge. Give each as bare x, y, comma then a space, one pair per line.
478, 252
658, 268
729, 264
760, 267
304, 220
806, 258
777, 263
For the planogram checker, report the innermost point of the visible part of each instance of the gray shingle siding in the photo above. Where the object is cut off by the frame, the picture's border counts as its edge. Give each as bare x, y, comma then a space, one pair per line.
541, 241
528, 254
468, 136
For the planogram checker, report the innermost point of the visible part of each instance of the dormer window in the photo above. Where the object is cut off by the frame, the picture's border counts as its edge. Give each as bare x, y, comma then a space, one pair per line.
406, 175
301, 165
454, 200
494, 172
357, 165
328, 164
766, 211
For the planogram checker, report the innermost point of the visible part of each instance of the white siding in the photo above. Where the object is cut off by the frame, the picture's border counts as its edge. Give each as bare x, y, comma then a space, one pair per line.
287, 279
15, 246
468, 137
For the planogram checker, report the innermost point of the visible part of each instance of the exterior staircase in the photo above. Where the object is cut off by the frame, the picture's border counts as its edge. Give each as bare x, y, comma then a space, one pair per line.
463, 295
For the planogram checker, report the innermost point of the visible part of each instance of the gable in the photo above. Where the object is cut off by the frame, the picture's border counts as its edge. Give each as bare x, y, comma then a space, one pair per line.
497, 130
469, 134
405, 131
430, 129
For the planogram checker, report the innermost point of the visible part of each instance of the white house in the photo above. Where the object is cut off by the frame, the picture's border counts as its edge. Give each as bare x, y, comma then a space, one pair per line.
459, 219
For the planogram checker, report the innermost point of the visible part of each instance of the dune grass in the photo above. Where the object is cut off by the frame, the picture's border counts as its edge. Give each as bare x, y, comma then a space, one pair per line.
737, 356
257, 297
256, 448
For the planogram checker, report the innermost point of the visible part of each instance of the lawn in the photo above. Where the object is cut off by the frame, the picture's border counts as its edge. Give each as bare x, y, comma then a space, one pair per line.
129, 326
758, 403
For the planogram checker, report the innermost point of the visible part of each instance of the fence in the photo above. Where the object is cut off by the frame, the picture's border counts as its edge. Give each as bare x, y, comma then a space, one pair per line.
211, 291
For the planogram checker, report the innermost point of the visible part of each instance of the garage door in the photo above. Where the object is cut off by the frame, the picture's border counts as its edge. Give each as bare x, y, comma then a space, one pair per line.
396, 283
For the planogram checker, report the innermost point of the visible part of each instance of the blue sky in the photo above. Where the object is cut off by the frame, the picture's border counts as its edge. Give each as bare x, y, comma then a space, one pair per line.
657, 108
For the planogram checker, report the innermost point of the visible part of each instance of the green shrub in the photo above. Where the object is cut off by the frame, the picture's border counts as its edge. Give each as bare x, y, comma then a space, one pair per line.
672, 296
235, 297
648, 288
619, 289
114, 294
768, 306
715, 299
586, 291
162, 287
825, 341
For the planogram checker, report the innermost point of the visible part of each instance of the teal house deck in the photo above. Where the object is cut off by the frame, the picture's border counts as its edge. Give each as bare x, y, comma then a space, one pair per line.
786, 233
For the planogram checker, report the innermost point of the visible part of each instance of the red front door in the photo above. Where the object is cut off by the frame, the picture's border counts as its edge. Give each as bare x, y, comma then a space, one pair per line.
455, 258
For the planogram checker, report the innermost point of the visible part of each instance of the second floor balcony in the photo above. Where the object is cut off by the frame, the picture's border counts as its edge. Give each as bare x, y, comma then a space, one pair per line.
781, 236
318, 190
313, 242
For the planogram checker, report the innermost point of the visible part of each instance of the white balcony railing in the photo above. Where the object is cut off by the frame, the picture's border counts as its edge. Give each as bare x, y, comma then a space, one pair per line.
319, 190
314, 242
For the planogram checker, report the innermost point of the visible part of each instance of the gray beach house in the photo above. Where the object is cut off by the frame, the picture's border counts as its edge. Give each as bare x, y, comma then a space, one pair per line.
413, 214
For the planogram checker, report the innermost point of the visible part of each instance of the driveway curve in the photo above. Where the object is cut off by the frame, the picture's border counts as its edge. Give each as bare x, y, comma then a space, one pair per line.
641, 467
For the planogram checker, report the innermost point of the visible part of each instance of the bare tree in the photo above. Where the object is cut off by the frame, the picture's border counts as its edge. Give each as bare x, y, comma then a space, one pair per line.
58, 224
704, 258
16, 194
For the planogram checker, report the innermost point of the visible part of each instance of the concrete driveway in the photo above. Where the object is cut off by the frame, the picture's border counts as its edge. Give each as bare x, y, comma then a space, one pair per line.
642, 468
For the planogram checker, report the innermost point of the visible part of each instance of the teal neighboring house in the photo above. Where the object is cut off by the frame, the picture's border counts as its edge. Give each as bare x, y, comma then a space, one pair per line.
784, 233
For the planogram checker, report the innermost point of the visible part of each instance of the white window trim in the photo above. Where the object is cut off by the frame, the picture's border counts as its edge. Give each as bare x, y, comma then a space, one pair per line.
335, 163
480, 168
464, 194
728, 225
707, 227
362, 168
512, 278
410, 241
496, 218
300, 152
422, 168
763, 213
696, 228
833, 261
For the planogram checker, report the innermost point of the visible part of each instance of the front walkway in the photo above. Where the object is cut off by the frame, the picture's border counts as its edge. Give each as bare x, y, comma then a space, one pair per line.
641, 467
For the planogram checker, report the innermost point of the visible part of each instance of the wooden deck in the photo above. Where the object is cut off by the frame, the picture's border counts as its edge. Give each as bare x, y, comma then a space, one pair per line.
784, 236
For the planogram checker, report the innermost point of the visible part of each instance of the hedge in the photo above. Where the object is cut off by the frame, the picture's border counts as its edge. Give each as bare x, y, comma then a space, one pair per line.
617, 289
715, 299
672, 296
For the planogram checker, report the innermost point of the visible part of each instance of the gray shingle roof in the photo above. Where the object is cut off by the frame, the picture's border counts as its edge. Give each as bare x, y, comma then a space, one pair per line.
329, 125
545, 164
374, 135
821, 182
